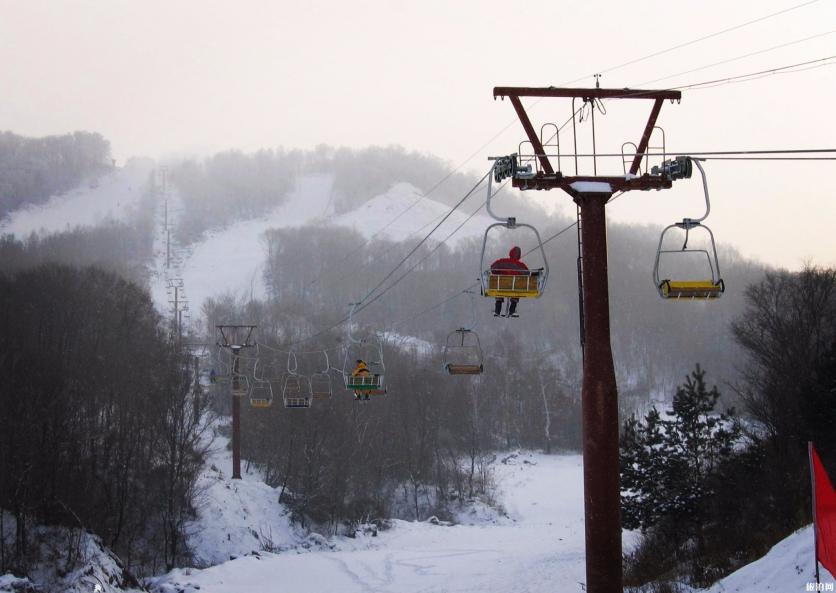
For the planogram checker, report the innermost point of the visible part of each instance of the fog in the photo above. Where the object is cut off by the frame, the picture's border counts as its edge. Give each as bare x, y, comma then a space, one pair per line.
191, 78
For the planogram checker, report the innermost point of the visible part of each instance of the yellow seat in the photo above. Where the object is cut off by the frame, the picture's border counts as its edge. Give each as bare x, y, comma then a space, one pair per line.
518, 286
691, 289
260, 403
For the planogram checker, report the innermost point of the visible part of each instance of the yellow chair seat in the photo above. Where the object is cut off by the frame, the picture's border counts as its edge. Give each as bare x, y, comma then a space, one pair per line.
691, 289
513, 286
260, 403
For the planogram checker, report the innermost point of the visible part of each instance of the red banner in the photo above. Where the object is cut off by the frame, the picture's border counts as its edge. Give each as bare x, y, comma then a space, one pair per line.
825, 513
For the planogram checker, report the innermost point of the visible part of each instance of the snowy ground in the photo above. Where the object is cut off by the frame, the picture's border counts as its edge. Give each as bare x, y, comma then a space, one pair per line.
236, 517
538, 548
113, 196
788, 567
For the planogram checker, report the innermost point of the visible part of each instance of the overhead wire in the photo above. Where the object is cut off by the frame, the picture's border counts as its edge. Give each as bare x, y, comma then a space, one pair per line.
697, 40
741, 57
512, 122
360, 303
534, 103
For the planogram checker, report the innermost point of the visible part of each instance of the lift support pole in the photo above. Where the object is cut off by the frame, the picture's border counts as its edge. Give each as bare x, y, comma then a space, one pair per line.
602, 504
236, 338
602, 495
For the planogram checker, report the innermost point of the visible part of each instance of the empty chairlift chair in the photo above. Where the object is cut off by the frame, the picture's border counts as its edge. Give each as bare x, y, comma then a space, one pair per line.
261, 395
296, 391
320, 382
463, 353
704, 285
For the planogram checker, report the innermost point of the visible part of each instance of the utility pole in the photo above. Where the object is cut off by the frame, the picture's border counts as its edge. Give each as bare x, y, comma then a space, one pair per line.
602, 500
236, 338
164, 173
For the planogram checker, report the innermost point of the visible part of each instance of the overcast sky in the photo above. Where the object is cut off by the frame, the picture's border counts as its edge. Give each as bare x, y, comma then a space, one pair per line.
194, 76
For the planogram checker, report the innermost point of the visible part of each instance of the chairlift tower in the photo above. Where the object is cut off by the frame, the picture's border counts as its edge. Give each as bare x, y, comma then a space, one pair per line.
599, 393
236, 338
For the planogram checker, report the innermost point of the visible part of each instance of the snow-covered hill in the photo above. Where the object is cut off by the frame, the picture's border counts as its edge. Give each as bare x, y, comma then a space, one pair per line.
114, 196
787, 567
236, 517
419, 216
231, 260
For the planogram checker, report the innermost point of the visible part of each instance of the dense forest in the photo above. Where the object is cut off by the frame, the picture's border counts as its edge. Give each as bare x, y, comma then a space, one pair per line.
102, 418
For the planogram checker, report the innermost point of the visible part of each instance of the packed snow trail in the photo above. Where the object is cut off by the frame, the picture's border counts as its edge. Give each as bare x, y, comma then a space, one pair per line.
114, 196
231, 260
540, 547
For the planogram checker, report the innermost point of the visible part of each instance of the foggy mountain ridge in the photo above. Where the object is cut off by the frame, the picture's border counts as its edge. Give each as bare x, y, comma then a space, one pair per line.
655, 342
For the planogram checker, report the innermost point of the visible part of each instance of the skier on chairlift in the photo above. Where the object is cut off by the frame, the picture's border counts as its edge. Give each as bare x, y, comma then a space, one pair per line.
508, 266
361, 370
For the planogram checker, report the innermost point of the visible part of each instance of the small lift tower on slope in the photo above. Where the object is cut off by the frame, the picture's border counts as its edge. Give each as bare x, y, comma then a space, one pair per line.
236, 338
599, 393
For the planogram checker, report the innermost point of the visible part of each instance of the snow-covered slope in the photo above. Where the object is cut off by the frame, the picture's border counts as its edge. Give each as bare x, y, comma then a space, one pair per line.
420, 216
113, 196
232, 260
236, 517
787, 567
540, 548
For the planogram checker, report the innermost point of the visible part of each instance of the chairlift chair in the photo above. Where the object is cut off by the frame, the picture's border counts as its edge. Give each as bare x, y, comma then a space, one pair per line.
369, 351
261, 395
710, 286
463, 353
295, 392
320, 382
518, 284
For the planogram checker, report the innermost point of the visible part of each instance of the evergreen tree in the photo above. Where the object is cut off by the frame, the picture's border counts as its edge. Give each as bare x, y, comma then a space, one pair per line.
666, 461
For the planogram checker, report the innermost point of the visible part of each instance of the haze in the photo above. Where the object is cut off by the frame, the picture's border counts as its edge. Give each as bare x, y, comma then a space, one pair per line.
191, 78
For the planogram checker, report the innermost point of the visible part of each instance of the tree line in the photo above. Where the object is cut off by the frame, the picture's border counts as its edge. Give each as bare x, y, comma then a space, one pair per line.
102, 423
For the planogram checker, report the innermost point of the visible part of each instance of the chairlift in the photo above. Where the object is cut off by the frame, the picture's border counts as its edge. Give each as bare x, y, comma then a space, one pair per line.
518, 284
261, 395
295, 392
370, 352
463, 353
320, 382
709, 286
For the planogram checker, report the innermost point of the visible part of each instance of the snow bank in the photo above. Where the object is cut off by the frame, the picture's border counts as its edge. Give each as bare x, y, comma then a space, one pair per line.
787, 567
113, 197
69, 561
236, 517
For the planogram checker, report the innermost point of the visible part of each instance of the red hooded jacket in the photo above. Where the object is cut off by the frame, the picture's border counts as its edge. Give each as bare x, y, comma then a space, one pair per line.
511, 265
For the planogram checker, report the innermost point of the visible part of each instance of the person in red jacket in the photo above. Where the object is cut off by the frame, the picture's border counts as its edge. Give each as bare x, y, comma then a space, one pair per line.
508, 266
